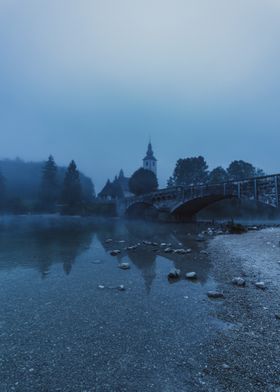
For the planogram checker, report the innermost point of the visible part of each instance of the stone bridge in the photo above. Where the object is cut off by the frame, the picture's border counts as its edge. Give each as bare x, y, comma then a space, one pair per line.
183, 202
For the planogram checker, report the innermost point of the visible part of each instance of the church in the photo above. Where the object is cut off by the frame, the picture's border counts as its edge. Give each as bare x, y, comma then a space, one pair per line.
119, 187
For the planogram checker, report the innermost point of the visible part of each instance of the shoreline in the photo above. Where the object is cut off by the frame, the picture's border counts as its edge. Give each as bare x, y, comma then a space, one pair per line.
246, 355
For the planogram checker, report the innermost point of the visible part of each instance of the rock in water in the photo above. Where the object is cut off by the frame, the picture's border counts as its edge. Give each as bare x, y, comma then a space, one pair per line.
174, 274
121, 287
191, 275
260, 285
168, 250
115, 252
109, 240
124, 266
240, 282
215, 294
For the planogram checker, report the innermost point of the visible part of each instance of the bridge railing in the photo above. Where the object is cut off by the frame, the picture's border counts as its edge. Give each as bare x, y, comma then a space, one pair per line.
265, 189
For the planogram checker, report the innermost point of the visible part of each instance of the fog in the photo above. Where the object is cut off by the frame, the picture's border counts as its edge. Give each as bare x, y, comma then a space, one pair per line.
93, 80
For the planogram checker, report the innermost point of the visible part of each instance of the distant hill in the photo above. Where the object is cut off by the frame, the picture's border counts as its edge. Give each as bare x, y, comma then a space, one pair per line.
23, 179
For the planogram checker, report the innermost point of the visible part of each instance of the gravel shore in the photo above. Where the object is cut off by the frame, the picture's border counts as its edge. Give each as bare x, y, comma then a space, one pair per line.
246, 355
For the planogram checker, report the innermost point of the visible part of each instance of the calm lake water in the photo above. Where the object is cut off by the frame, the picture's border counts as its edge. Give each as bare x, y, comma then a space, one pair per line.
61, 331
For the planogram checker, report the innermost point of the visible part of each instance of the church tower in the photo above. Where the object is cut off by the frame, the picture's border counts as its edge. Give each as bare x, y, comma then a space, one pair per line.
150, 162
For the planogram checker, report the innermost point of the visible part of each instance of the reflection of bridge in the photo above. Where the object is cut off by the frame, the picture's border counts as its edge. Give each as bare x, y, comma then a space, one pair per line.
178, 202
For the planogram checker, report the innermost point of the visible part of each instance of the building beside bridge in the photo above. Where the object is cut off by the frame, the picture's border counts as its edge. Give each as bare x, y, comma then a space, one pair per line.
119, 187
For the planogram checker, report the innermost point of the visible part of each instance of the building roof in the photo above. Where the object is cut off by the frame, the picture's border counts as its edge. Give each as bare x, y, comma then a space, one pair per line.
150, 154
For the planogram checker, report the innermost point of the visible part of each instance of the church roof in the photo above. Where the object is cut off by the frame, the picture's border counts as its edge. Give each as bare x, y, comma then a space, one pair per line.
150, 154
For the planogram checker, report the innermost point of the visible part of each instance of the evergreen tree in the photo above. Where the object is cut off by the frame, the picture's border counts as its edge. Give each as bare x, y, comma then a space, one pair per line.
143, 181
72, 191
49, 185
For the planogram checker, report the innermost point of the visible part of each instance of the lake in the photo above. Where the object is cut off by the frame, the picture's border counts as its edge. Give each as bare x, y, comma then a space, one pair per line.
65, 325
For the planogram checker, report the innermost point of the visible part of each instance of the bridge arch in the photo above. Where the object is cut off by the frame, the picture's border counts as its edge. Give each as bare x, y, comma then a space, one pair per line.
143, 210
191, 207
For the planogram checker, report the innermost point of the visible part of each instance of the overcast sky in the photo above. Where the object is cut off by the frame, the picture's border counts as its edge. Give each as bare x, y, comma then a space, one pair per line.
94, 79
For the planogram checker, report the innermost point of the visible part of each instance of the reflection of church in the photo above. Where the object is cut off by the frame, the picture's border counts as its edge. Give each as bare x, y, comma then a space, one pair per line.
119, 187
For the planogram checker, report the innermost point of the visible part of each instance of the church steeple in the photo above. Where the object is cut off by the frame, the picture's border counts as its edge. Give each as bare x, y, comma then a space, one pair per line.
150, 162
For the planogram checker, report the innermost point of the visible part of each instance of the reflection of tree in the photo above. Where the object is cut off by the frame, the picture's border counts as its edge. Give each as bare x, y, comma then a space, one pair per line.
145, 261
39, 247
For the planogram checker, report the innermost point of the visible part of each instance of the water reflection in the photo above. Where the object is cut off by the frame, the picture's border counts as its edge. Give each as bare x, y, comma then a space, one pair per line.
39, 242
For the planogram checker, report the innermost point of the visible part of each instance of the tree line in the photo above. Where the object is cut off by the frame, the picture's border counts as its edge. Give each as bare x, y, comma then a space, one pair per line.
37, 187
193, 171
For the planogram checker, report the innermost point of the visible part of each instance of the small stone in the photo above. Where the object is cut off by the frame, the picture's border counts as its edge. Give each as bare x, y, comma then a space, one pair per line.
124, 266
121, 241
189, 250
240, 282
101, 287
225, 366
174, 274
121, 287
163, 244
147, 242
215, 294
200, 238
191, 275
168, 250
109, 240
115, 252
180, 251
133, 247
155, 244
260, 285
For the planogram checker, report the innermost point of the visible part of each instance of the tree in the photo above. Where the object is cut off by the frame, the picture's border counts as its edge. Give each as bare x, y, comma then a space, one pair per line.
49, 184
239, 170
190, 171
143, 181
218, 175
72, 191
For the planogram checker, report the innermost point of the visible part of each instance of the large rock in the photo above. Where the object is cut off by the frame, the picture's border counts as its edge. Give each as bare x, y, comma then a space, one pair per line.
260, 285
240, 282
124, 266
215, 294
191, 275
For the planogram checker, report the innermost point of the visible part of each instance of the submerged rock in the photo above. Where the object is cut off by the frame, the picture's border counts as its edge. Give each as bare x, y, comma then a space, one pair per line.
215, 294
191, 275
174, 274
240, 282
